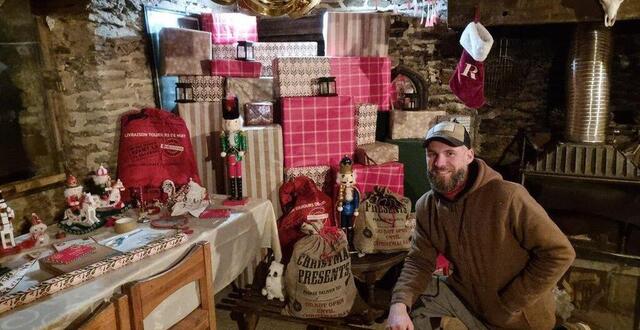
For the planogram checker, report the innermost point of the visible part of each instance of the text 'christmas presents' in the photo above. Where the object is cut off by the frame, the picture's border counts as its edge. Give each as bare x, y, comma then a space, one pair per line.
185, 52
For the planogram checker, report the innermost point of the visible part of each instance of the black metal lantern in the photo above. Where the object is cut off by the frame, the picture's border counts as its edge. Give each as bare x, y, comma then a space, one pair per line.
184, 92
410, 101
327, 86
244, 51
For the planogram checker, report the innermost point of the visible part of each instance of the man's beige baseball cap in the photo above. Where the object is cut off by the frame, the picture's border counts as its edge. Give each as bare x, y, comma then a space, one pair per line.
451, 133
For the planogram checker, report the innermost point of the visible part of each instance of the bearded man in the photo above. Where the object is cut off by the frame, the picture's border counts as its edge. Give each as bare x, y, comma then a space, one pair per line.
507, 254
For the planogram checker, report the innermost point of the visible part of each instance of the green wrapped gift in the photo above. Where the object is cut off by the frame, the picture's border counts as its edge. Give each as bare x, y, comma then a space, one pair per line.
412, 155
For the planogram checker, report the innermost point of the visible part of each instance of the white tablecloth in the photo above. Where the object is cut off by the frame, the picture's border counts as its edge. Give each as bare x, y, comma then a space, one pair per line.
235, 243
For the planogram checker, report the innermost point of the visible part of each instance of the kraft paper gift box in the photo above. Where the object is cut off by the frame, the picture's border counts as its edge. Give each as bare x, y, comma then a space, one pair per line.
377, 153
317, 130
234, 68
205, 88
184, 52
204, 121
250, 90
366, 79
266, 52
390, 175
412, 124
366, 117
321, 175
356, 34
262, 164
298, 76
227, 28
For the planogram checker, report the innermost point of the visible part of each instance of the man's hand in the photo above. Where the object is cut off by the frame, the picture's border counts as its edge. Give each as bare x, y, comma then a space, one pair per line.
399, 318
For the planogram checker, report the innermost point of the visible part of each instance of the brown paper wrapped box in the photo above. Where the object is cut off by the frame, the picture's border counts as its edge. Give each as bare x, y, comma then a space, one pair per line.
250, 90
185, 52
377, 153
412, 124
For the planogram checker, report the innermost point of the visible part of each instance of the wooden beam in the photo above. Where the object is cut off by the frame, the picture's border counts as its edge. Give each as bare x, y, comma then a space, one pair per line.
514, 12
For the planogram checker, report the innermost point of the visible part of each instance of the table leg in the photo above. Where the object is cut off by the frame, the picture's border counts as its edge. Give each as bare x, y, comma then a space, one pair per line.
246, 321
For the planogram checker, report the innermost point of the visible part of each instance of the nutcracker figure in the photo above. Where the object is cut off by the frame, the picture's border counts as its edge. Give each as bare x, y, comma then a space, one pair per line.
348, 198
234, 145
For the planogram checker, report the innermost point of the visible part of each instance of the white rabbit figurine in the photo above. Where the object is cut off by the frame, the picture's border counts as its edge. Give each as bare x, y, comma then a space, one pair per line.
275, 282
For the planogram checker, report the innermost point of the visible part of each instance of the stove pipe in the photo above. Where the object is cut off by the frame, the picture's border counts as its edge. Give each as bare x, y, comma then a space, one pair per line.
588, 84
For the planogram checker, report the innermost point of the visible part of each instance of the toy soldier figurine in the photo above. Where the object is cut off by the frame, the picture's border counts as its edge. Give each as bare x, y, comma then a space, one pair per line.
234, 145
6, 229
348, 197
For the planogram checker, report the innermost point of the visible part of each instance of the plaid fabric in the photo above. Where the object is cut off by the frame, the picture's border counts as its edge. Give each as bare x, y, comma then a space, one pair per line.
366, 123
184, 52
205, 88
412, 124
317, 130
204, 121
389, 175
297, 76
227, 28
366, 79
266, 52
233, 68
356, 34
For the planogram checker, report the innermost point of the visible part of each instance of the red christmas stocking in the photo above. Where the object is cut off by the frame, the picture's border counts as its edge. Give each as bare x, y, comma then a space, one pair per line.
467, 82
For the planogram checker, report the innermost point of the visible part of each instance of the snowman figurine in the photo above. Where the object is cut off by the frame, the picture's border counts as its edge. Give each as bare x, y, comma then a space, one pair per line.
38, 230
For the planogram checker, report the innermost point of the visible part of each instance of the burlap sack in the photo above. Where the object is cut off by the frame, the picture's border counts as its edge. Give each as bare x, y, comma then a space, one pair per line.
384, 224
318, 279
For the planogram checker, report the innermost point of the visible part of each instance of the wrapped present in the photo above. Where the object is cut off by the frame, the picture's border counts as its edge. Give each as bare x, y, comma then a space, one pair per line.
204, 121
205, 88
266, 52
234, 68
367, 115
389, 175
251, 90
227, 28
412, 124
412, 155
185, 52
262, 165
297, 76
258, 113
321, 175
317, 130
356, 34
377, 153
366, 79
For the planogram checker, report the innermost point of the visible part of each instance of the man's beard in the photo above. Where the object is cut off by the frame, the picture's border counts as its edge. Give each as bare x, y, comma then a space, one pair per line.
443, 185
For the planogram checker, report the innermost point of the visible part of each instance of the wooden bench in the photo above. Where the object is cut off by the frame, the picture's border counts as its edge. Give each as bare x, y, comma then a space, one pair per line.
247, 306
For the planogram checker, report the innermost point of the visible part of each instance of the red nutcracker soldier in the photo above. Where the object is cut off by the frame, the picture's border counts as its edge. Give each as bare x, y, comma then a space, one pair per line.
234, 145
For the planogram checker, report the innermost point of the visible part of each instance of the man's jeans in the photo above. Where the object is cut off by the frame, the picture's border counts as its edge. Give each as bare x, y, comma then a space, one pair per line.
440, 301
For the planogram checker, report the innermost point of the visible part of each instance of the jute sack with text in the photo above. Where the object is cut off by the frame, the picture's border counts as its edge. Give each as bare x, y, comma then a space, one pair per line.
318, 279
383, 223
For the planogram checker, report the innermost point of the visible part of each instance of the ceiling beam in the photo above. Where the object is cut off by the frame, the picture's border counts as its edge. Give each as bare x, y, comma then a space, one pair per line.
529, 12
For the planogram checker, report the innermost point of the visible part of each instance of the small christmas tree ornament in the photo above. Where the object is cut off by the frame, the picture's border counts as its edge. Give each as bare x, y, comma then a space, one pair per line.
348, 198
234, 145
6, 231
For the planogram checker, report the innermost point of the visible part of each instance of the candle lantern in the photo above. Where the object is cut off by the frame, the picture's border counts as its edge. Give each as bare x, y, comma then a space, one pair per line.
244, 51
410, 101
184, 92
327, 86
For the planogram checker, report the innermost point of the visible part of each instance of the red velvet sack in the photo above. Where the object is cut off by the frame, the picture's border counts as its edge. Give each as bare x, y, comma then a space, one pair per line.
154, 146
467, 81
301, 201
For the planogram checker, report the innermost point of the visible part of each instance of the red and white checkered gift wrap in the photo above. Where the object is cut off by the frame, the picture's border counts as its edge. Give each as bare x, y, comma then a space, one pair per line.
227, 28
390, 175
266, 52
317, 130
233, 68
356, 34
298, 76
366, 79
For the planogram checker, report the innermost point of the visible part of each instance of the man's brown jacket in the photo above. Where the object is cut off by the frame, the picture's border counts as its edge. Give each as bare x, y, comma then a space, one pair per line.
506, 252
